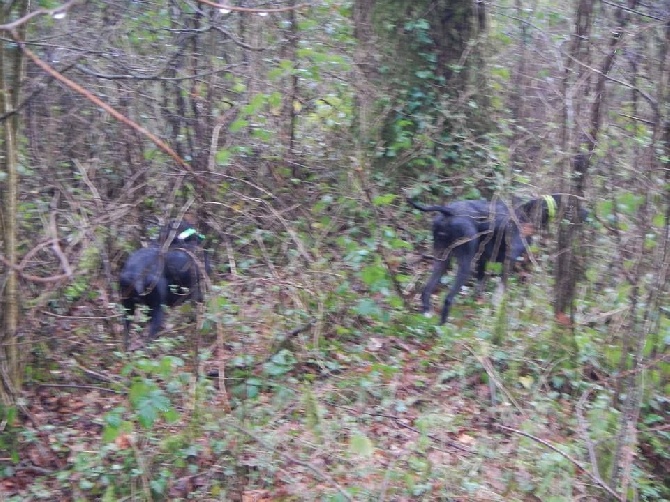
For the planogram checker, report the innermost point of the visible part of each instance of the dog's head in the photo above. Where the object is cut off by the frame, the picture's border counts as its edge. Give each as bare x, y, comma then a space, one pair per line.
541, 210
545, 209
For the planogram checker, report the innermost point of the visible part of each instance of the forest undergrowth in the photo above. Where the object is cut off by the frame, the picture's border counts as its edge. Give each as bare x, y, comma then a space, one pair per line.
312, 376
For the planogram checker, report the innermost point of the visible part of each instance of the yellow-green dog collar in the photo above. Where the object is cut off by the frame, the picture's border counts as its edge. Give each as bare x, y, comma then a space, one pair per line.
551, 206
188, 233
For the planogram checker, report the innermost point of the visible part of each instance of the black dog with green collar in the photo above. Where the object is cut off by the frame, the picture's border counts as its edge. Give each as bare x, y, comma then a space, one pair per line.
168, 272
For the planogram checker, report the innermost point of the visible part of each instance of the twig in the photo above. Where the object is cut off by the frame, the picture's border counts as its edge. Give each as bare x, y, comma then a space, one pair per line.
114, 113
290, 458
78, 386
401, 423
285, 337
596, 479
64, 263
95, 374
87, 317
585, 433
47, 12
490, 371
227, 6
380, 248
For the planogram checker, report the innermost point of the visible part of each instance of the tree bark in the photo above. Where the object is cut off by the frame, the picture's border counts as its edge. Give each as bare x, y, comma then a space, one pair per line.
570, 256
11, 73
432, 73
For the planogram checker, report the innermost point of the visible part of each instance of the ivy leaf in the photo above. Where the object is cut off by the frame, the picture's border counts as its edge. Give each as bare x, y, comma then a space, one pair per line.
148, 401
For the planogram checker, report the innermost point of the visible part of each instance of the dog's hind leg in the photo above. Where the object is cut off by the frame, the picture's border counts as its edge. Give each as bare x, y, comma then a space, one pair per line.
465, 254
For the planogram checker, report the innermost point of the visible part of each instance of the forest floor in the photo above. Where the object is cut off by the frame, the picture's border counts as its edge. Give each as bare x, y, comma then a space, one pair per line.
381, 409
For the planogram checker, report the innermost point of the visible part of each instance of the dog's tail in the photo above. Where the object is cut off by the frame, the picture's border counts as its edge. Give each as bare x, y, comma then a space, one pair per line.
441, 209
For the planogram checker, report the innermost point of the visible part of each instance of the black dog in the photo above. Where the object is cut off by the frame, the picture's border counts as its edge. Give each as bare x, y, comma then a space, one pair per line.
168, 272
473, 230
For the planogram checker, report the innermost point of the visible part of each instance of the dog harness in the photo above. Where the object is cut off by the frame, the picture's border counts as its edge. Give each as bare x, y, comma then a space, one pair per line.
551, 206
190, 232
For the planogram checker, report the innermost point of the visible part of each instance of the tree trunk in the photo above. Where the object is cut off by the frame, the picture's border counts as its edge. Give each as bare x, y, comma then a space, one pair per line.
11, 73
431, 76
570, 257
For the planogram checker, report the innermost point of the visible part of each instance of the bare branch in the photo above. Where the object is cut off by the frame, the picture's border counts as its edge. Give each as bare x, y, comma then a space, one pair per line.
39, 12
226, 6
117, 115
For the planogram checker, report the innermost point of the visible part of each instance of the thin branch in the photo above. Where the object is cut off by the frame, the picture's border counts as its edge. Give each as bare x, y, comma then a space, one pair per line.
41, 88
36, 278
232, 8
117, 115
584, 431
633, 11
82, 386
596, 479
320, 474
401, 422
39, 12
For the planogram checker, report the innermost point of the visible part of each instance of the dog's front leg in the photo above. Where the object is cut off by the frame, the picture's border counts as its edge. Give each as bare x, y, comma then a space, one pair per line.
155, 300
128, 315
464, 271
439, 268
481, 276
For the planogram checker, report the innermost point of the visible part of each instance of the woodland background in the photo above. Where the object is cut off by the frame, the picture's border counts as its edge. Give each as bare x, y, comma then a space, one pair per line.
292, 134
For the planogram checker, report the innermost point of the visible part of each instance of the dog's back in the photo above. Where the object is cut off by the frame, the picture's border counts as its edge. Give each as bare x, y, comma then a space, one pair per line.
474, 232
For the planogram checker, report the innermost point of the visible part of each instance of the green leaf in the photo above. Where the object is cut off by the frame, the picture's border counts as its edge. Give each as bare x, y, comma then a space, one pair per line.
424, 74
237, 125
222, 157
275, 99
658, 220
399, 244
262, 134
384, 200
148, 402
249, 389
158, 485
115, 425
367, 307
168, 365
372, 275
361, 445
171, 415
526, 381
255, 105
239, 88
280, 364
